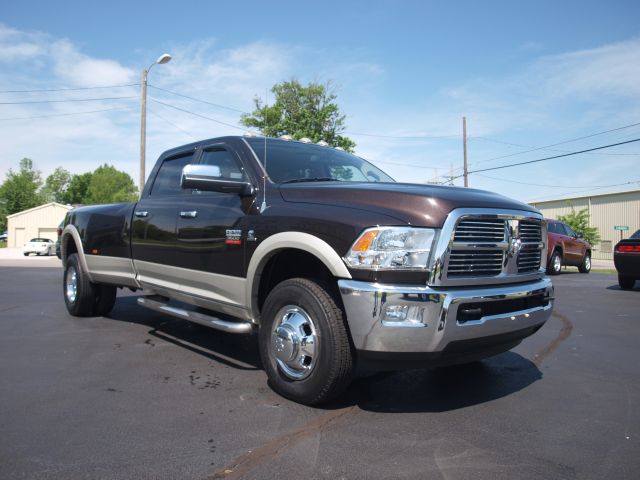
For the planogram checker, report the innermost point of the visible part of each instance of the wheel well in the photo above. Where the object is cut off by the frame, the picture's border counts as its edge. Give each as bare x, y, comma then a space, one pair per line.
68, 247
292, 263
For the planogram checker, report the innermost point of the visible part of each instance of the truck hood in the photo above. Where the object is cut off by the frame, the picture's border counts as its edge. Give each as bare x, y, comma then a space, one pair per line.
414, 204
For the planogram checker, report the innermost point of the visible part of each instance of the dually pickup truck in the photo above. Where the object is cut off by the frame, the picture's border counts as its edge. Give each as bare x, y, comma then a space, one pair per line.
331, 262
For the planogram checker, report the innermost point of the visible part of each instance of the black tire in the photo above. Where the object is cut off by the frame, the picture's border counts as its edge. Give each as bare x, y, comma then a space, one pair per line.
88, 299
79, 293
555, 263
626, 283
26, 254
301, 319
585, 266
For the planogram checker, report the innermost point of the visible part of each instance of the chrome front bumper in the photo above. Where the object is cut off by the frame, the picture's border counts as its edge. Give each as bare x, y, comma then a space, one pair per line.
420, 319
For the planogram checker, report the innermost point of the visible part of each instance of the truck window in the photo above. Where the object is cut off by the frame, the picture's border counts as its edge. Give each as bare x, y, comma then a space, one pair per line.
167, 180
223, 158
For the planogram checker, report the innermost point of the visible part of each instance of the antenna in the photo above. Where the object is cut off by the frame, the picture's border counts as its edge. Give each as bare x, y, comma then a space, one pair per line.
263, 207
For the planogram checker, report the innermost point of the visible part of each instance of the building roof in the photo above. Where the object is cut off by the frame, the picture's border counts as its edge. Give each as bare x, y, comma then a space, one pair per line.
560, 199
68, 207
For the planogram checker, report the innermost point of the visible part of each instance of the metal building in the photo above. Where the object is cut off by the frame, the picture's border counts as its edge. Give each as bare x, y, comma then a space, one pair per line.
36, 222
606, 212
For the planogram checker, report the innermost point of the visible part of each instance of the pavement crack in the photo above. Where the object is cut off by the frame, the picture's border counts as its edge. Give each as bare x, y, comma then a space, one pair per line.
274, 447
563, 334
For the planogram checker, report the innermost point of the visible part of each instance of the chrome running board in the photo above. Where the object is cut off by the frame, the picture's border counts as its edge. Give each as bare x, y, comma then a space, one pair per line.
195, 317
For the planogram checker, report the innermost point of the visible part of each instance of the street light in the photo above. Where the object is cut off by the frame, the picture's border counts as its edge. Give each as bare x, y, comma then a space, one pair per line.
162, 59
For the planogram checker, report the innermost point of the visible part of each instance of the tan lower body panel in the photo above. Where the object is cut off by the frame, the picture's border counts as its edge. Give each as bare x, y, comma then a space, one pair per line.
113, 270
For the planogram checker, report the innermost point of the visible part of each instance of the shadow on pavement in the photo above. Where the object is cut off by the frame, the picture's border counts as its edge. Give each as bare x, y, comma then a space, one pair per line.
422, 390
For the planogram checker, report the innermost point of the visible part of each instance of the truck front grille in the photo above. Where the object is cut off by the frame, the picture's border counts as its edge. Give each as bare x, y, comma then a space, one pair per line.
483, 247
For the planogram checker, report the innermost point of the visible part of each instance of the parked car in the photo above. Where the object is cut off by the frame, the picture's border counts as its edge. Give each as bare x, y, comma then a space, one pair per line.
39, 246
626, 257
566, 247
3, 237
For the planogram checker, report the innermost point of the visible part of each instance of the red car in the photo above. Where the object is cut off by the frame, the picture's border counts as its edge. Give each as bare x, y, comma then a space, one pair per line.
626, 256
566, 247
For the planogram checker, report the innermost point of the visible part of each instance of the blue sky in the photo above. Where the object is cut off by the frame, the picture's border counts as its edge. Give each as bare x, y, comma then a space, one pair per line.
525, 76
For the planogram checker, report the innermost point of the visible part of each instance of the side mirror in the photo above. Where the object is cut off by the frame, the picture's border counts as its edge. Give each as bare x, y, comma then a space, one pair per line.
209, 178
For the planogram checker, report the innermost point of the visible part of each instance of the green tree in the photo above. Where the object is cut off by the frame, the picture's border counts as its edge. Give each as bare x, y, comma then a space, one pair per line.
110, 185
579, 221
78, 190
20, 191
56, 185
301, 111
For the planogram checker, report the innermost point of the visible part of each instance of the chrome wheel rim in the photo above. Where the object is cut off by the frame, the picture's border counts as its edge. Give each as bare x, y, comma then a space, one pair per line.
294, 342
556, 263
71, 284
587, 263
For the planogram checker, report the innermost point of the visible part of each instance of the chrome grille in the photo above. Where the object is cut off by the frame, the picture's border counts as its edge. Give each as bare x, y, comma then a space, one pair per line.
479, 230
475, 263
489, 247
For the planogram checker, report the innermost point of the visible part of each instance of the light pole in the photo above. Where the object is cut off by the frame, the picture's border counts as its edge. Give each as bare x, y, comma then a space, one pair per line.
165, 58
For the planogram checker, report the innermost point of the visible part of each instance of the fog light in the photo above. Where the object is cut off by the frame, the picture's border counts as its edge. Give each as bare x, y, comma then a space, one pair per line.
403, 316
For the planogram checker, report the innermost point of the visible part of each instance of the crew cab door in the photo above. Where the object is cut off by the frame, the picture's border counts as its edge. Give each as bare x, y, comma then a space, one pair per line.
211, 230
154, 241
574, 248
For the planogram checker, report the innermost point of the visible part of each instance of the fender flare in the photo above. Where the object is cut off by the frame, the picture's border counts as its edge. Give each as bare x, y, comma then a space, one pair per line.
72, 231
283, 241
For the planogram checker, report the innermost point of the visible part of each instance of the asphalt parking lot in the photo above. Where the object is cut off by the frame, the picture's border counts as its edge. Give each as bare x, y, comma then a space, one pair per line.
140, 395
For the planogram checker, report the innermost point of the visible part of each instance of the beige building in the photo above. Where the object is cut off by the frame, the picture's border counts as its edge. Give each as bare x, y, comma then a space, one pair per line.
606, 211
39, 221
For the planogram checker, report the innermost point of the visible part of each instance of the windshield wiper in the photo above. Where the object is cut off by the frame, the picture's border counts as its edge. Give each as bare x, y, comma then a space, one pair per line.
314, 179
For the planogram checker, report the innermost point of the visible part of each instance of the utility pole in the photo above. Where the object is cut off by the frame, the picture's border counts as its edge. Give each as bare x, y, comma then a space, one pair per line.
464, 146
143, 126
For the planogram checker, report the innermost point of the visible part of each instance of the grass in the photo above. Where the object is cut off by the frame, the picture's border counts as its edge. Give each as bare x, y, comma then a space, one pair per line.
3, 244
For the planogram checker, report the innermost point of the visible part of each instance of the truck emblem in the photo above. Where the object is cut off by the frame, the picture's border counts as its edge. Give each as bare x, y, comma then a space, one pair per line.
233, 237
515, 245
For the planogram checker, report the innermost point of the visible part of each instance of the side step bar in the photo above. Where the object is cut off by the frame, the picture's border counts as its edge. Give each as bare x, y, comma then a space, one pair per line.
196, 317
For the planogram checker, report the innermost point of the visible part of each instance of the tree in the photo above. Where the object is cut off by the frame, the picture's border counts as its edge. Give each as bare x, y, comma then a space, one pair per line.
301, 111
56, 186
20, 191
78, 190
580, 223
110, 185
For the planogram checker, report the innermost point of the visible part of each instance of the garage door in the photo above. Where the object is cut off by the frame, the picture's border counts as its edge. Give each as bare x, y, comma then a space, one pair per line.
50, 233
19, 235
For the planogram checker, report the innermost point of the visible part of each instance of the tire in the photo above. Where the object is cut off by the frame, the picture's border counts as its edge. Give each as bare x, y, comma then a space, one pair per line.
304, 343
26, 254
585, 266
626, 283
83, 298
555, 263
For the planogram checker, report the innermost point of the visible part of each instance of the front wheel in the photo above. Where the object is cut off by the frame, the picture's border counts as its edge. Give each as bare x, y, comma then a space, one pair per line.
626, 283
585, 266
555, 264
304, 344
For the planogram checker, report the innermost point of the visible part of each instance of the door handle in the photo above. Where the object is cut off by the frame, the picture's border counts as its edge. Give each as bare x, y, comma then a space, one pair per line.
143, 213
189, 214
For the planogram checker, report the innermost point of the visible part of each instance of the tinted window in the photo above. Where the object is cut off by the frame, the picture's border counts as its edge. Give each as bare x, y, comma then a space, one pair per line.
569, 230
636, 235
289, 160
230, 169
553, 228
167, 180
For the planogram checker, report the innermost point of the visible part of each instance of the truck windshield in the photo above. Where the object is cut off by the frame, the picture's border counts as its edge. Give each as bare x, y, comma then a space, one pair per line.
290, 161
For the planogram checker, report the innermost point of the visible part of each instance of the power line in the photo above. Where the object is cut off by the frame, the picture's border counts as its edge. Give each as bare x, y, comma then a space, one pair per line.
69, 89
65, 114
65, 101
172, 124
555, 186
553, 157
197, 114
197, 99
402, 137
544, 148
559, 143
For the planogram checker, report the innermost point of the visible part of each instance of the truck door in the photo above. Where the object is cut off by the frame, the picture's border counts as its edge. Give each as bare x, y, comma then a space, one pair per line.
211, 230
154, 241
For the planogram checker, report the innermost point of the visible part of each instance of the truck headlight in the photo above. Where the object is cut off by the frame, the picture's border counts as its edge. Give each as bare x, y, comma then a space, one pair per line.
391, 248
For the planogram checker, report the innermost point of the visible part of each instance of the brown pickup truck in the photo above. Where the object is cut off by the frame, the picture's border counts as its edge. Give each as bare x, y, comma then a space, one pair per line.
331, 262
